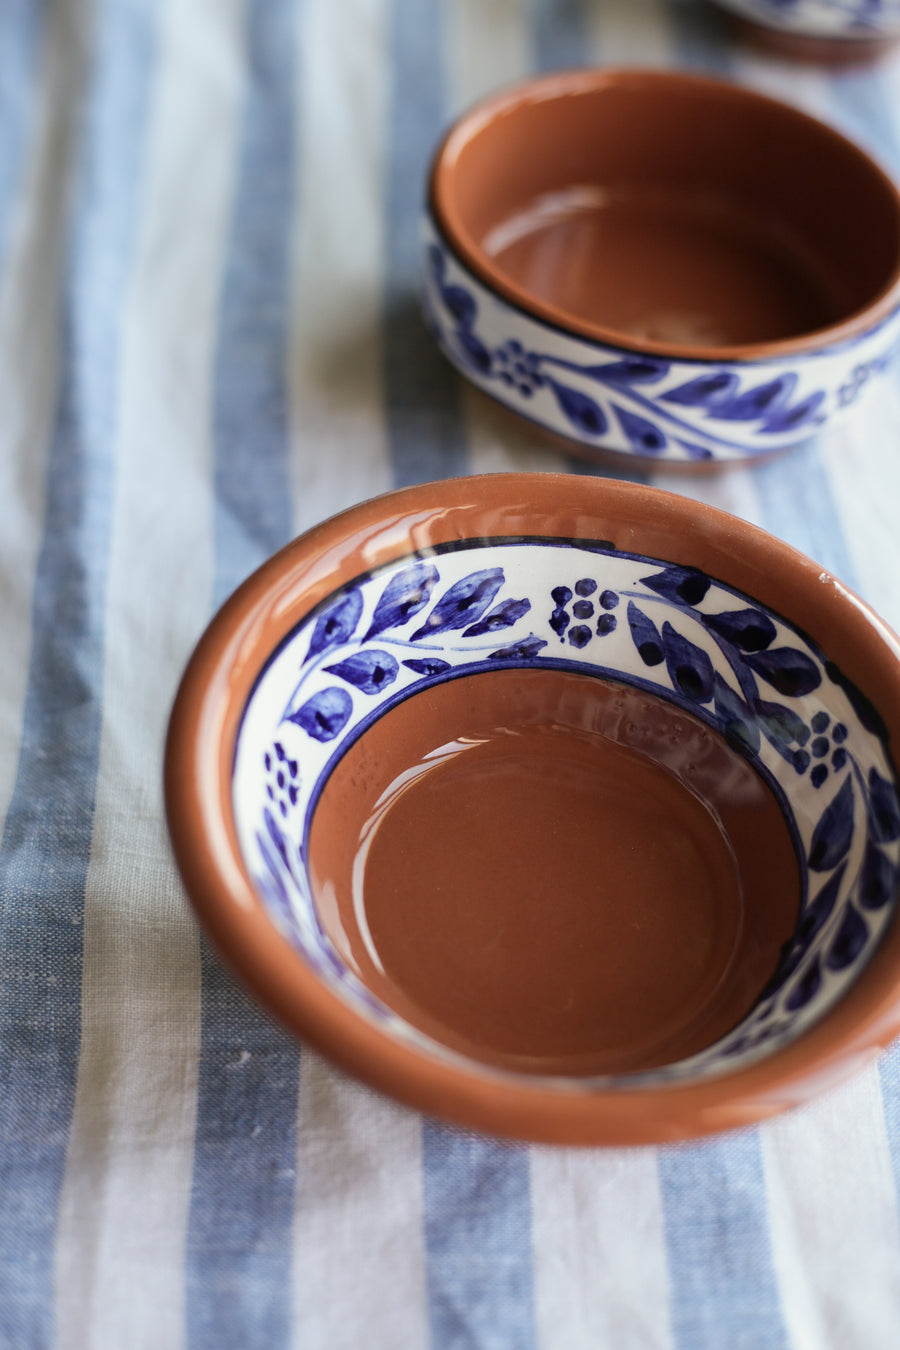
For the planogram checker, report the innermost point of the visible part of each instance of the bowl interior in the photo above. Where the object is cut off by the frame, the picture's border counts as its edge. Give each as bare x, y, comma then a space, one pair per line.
666, 211
563, 810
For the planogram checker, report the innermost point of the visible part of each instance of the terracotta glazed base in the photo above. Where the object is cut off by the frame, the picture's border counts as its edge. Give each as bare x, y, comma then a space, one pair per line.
663, 266
573, 877
815, 50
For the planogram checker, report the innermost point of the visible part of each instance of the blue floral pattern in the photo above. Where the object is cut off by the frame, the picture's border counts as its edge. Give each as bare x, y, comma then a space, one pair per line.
644, 406
670, 629
825, 18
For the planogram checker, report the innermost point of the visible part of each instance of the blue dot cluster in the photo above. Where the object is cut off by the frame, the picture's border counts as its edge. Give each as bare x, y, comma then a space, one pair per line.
584, 609
828, 740
517, 368
282, 778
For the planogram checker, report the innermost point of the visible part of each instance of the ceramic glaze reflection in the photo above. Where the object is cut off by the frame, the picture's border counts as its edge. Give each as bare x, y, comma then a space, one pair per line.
581, 879
694, 270
552, 606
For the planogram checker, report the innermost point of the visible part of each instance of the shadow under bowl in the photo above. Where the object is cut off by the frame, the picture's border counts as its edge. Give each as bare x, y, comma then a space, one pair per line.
558, 808
661, 264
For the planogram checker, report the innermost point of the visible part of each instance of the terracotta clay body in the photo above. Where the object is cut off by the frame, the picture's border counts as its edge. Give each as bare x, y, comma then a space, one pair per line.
554, 873
734, 922
674, 213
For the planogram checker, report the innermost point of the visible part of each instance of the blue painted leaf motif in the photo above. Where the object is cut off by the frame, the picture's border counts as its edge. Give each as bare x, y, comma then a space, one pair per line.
682, 584
369, 670
695, 451
738, 725
706, 391
643, 436
464, 602
865, 711
337, 624
501, 616
689, 666
781, 723
834, 831
428, 665
805, 989
274, 832
878, 878
786, 669
519, 651
403, 596
273, 876
582, 412
474, 350
645, 635
884, 809
460, 303
792, 953
763, 401
325, 715
789, 419
630, 370
750, 630
818, 913
852, 936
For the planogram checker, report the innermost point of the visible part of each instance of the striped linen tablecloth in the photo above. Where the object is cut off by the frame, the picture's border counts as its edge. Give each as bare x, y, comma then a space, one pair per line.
209, 340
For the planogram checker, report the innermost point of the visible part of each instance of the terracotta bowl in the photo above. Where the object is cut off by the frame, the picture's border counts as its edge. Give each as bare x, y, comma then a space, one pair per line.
838, 31
661, 265
563, 809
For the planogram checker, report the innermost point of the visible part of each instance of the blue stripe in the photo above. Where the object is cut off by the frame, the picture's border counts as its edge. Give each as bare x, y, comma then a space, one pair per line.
478, 1240
559, 34
46, 843
863, 100
22, 35
426, 434
239, 1227
797, 505
889, 1075
717, 1239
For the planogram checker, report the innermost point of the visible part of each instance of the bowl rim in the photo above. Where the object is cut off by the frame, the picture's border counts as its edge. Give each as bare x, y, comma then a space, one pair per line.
198, 760
440, 203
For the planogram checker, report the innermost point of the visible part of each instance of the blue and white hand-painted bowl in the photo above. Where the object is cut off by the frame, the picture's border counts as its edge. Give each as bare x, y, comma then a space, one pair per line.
660, 265
560, 808
843, 30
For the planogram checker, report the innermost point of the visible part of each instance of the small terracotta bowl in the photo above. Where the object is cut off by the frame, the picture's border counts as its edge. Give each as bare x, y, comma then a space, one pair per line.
563, 809
661, 265
827, 31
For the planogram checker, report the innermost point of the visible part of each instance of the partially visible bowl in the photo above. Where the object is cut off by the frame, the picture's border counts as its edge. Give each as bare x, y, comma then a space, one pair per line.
559, 808
661, 265
838, 31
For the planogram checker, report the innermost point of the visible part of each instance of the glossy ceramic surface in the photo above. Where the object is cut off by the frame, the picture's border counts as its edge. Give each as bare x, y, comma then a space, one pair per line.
822, 30
384, 688
578, 268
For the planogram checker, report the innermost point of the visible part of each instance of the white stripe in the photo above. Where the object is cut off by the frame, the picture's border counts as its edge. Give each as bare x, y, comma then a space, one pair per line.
833, 1220
120, 1256
486, 46
634, 34
864, 470
600, 1274
359, 1261
30, 303
338, 428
